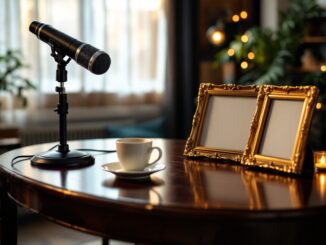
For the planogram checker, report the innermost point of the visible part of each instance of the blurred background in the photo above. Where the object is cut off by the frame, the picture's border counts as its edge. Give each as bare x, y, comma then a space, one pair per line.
161, 50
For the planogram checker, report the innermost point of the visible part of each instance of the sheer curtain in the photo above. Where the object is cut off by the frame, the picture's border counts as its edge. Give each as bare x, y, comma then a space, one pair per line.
133, 32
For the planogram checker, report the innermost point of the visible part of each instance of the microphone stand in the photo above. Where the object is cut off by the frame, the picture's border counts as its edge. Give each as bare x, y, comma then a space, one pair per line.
63, 157
62, 107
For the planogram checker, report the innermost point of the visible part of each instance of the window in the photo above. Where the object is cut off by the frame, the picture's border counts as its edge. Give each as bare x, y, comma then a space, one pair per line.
132, 32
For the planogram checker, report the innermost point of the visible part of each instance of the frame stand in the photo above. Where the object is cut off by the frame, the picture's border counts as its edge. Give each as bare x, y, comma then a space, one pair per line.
63, 157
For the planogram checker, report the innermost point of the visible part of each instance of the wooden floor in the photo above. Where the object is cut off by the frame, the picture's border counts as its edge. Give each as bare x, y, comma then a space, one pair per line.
34, 230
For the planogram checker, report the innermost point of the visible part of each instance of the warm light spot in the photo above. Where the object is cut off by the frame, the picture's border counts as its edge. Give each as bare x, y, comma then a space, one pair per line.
323, 68
215, 34
235, 18
319, 105
251, 55
322, 160
244, 65
244, 38
149, 207
217, 37
244, 14
231, 52
322, 180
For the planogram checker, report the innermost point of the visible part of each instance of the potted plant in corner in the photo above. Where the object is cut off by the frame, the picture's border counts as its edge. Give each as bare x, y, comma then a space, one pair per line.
270, 56
10, 79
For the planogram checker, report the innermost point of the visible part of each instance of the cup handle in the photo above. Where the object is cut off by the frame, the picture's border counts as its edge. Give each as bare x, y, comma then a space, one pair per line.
159, 154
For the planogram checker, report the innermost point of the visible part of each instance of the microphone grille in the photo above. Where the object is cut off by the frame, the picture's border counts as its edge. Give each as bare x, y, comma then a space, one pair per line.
96, 61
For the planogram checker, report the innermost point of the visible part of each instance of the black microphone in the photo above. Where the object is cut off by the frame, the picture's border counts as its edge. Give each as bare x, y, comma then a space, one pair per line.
84, 54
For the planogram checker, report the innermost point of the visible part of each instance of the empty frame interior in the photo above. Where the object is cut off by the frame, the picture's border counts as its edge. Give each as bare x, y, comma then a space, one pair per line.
227, 122
280, 130
222, 121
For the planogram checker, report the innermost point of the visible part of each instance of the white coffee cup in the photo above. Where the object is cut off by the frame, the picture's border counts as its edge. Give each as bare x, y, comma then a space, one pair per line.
135, 153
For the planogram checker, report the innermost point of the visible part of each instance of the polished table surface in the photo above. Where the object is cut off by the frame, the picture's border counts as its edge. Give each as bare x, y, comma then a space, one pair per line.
192, 201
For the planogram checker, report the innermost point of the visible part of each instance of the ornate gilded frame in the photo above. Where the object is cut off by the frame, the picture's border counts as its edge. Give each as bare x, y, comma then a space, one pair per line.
207, 91
294, 164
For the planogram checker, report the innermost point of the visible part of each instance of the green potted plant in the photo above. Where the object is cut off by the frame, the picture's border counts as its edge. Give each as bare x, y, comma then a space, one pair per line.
10, 79
265, 54
267, 57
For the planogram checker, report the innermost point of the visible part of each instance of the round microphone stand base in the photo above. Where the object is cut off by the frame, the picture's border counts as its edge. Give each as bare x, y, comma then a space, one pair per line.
56, 159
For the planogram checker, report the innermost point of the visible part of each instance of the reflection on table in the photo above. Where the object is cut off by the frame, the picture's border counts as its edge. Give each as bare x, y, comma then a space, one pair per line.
230, 185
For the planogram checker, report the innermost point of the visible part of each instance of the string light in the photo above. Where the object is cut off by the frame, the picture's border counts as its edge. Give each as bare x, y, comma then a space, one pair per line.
319, 105
323, 68
217, 37
244, 65
251, 55
244, 38
231, 52
235, 18
215, 34
244, 14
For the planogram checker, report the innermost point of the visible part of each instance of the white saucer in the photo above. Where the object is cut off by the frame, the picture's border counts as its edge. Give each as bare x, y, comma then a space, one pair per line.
116, 169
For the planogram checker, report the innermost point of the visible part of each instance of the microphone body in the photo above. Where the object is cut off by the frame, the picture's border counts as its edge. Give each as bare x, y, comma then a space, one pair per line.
91, 58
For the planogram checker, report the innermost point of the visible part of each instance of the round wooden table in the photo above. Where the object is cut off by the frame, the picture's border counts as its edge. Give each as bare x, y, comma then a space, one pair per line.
192, 201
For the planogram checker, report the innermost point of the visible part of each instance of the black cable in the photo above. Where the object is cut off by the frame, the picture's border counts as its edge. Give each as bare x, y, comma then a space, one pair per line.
26, 157
52, 147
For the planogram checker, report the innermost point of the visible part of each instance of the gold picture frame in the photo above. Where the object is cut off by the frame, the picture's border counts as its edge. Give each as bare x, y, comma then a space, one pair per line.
280, 130
222, 121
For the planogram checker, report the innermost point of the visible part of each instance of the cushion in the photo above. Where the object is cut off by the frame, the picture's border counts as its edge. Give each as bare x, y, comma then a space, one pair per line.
149, 129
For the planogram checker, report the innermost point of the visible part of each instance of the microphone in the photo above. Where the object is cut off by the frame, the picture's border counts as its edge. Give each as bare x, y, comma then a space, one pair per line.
91, 58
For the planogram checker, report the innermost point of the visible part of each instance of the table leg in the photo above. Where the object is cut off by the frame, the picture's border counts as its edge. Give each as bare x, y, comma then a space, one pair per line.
8, 217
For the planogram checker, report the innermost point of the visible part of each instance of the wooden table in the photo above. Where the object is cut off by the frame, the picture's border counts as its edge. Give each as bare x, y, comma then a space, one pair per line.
190, 202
